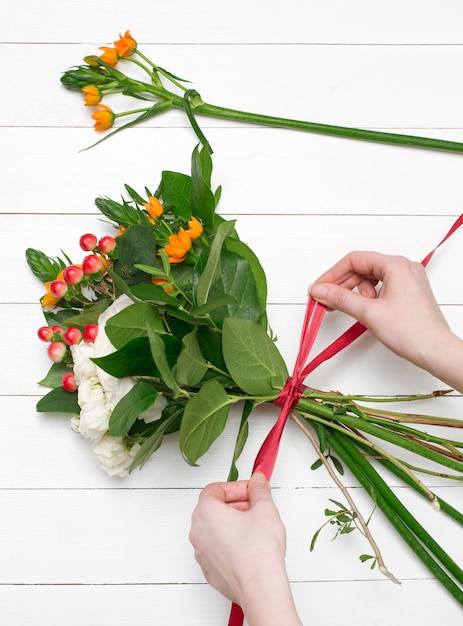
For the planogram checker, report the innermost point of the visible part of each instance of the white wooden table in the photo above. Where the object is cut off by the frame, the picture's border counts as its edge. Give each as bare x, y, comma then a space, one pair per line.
78, 548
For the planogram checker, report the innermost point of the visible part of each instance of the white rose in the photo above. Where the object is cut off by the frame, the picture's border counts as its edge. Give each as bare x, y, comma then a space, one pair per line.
115, 388
81, 355
94, 410
113, 456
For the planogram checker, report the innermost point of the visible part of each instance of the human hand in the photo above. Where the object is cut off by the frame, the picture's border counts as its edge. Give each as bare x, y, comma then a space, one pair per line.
404, 315
240, 543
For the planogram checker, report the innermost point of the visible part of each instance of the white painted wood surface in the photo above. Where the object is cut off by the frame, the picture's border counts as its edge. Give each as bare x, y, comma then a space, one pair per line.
79, 548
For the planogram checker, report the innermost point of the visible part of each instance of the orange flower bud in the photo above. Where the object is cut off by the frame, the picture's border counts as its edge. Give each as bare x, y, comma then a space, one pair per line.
196, 229
109, 55
154, 207
104, 118
178, 247
92, 95
125, 45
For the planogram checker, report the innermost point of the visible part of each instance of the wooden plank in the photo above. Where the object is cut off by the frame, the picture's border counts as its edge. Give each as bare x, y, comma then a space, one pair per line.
293, 21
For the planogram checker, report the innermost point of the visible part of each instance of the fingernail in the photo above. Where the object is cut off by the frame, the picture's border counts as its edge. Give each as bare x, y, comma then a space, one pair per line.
259, 477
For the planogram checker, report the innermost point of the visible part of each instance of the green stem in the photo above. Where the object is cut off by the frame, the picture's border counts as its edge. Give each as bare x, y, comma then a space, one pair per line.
382, 433
211, 110
404, 522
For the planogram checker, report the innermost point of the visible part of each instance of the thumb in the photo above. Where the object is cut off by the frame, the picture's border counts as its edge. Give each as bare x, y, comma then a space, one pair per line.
340, 298
258, 488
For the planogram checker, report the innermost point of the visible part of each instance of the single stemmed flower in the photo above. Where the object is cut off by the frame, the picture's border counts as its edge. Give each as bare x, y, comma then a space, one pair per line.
101, 73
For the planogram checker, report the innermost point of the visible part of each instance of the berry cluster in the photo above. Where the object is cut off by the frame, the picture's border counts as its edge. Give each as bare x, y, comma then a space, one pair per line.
59, 339
92, 269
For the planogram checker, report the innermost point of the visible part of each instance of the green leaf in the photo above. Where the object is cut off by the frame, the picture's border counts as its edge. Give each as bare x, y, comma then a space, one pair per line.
131, 323
232, 244
153, 293
139, 399
318, 463
203, 420
136, 245
212, 270
153, 442
135, 196
90, 316
252, 358
202, 198
55, 374
59, 401
337, 464
176, 193
241, 439
133, 359
235, 281
158, 353
191, 365
123, 214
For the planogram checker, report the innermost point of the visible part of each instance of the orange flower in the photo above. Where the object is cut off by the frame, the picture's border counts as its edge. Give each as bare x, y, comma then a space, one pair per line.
178, 247
120, 231
162, 281
109, 55
154, 207
125, 45
92, 95
49, 299
104, 118
196, 229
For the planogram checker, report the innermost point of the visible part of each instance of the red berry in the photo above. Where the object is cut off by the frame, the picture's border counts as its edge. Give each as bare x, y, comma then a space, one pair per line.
58, 330
73, 274
45, 333
88, 242
107, 244
92, 264
58, 288
72, 336
69, 382
56, 351
90, 332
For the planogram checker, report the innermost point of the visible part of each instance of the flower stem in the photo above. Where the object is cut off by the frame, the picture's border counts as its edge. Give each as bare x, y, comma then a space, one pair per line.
411, 531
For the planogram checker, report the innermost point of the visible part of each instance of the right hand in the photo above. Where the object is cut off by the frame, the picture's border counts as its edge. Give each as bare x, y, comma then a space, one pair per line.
403, 315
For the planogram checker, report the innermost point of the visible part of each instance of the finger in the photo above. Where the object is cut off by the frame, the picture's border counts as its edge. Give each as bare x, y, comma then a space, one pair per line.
258, 489
226, 492
371, 265
341, 299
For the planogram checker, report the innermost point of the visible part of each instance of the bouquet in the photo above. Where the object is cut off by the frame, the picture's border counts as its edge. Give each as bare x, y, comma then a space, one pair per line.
162, 328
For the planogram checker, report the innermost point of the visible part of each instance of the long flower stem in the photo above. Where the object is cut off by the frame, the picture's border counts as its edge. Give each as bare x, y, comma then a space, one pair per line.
404, 522
211, 110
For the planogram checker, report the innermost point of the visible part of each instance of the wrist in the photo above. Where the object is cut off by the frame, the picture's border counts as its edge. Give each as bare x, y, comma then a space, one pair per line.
266, 597
443, 357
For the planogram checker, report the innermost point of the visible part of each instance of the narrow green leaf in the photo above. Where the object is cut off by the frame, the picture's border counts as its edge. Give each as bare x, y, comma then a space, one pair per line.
318, 463
158, 353
212, 269
202, 198
139, 399
153, 442
241, 439
252, 358
203, 420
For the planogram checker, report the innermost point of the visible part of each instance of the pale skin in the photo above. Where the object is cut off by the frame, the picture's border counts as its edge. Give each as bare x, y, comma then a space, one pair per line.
237, 533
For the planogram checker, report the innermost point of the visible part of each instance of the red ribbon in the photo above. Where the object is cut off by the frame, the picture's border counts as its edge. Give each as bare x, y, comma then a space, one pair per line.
294, 387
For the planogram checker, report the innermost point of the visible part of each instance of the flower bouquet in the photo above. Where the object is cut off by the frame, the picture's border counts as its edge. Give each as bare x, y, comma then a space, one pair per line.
162, 328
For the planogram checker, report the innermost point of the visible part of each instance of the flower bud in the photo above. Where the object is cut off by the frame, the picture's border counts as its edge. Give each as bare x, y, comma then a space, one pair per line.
72, 336
92, 264
90, 333
58, 288
107, 244
56, 351
73, 274
69, 382
45, 333
88, 242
